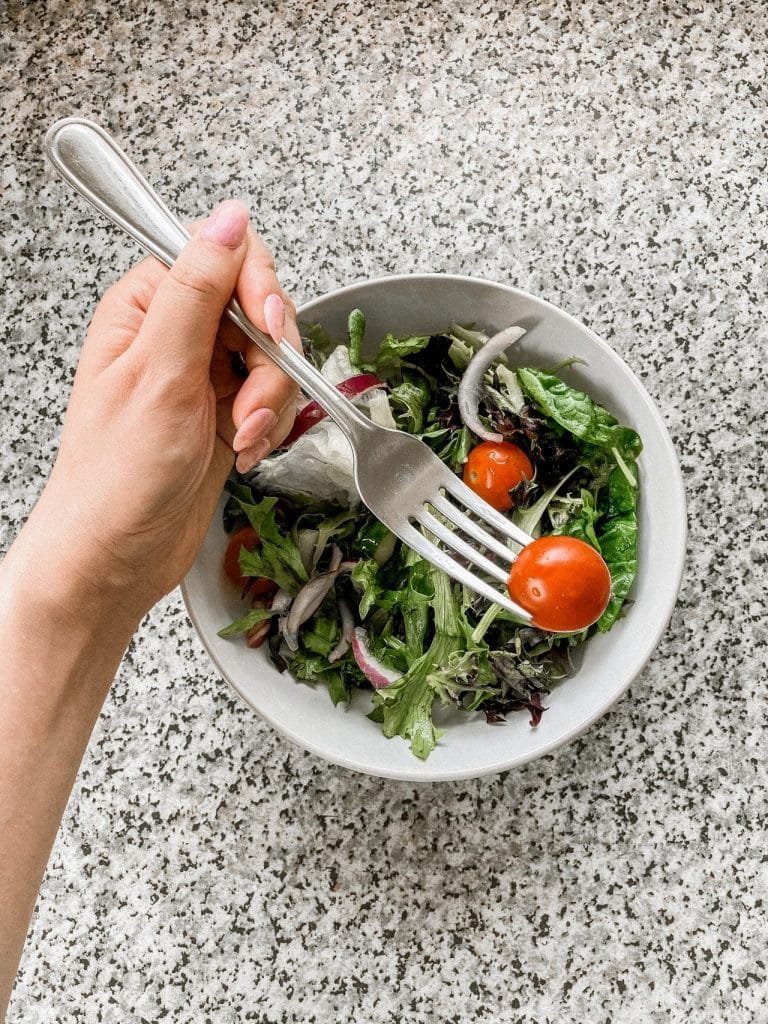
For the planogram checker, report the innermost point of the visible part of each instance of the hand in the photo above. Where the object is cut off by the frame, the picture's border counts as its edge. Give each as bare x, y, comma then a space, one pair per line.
156, 408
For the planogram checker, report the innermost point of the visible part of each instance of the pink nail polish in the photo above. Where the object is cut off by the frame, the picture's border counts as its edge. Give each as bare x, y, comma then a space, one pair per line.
252, 456
226, 225
253, 427
274, 314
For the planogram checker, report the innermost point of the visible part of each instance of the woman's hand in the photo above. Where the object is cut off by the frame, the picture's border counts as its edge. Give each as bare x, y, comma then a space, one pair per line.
155, 410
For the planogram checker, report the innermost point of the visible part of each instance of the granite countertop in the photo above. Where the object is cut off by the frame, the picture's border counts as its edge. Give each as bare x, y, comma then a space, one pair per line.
609, 158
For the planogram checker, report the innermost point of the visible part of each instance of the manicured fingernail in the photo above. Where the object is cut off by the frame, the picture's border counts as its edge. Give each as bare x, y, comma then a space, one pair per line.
253, 428
252, 456
274, 314
226, 225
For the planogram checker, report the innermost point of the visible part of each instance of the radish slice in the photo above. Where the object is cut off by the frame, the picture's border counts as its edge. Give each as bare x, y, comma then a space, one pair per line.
377, 674
471, 384
311, 413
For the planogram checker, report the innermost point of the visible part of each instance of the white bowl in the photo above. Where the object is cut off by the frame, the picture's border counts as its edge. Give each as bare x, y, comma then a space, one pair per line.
427, 303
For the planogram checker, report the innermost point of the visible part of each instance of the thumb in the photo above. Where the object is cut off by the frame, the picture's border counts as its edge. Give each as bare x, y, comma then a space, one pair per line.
185, 312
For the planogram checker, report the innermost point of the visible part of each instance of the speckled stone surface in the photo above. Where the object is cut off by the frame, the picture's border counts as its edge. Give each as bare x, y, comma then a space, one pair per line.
610, 158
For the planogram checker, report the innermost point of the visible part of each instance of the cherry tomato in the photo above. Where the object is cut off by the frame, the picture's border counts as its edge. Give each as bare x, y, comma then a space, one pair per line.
562, 582
245, 538
494, 468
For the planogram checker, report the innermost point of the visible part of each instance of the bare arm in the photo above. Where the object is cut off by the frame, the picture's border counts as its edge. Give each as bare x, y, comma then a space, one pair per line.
148, 440
61, 648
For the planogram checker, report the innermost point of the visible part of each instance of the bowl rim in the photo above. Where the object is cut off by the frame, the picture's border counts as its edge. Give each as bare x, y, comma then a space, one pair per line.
678, 510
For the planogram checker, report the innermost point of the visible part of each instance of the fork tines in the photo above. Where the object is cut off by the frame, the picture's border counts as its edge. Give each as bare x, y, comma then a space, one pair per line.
446, 522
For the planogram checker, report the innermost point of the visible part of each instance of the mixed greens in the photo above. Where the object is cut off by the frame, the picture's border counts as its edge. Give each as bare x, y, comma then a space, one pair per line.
350, 606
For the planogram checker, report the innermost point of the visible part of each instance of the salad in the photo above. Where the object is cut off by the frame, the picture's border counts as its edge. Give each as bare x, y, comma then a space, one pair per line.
340, 601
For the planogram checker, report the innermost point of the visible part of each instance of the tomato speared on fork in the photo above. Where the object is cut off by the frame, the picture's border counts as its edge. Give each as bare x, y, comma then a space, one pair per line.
562, 581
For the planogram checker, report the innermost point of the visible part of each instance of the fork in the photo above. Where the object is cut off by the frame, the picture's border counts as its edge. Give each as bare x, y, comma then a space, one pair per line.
404, 484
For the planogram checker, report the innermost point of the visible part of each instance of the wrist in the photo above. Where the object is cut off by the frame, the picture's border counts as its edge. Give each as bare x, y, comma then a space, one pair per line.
47, 572
66, 641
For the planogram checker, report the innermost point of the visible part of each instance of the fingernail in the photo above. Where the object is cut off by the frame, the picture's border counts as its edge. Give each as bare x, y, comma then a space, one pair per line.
253, 428
252, 456
226, 225
274, 314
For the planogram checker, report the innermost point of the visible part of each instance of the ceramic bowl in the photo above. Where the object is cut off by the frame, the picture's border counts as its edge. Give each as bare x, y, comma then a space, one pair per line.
304, 714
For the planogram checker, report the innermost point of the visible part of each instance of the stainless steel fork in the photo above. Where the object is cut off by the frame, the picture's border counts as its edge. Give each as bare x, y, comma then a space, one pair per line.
402, 482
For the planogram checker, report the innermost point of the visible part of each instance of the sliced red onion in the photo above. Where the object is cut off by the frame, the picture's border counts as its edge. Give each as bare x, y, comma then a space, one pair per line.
309, 599
281, 601
471, 384
335, 559
257, 634
311, 413
377, 674
347, 629
306, 542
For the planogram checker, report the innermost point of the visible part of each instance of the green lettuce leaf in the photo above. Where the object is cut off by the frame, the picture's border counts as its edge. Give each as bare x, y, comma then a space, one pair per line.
336, 527
455, 451
578, 414
529, 518
393, 350
374, 591
242, 625
321, 634
277, 557
411, 400
339, 689
310, 667
407, 711
617, 538
321, 344
414, 602
404, 708
370, 537
580, 516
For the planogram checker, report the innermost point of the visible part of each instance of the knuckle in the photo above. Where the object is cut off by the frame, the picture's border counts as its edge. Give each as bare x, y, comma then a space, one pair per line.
122, 308
137, 287
196, 280
139, 293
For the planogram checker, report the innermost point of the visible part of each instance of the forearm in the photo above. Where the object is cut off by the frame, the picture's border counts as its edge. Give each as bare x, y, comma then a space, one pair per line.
62, 642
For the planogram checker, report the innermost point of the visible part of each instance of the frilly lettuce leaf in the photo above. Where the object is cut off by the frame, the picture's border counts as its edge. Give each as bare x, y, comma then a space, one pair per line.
277, 557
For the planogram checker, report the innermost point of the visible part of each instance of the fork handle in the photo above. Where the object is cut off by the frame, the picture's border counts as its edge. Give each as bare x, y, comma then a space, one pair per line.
89, 159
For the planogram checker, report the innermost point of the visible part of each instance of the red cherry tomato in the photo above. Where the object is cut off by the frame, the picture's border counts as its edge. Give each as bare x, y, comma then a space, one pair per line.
562, 582
245, 538
494, 468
